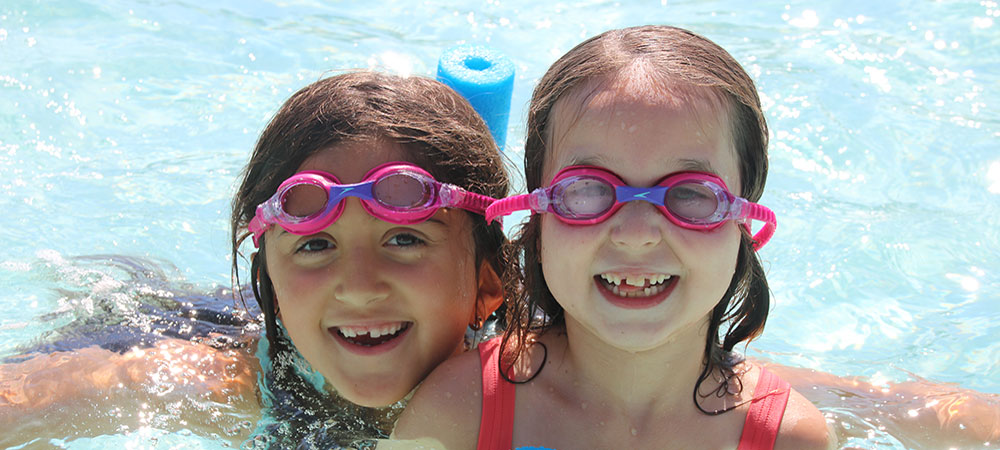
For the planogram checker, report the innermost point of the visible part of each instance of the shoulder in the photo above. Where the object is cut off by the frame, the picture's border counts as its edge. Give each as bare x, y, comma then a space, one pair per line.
803, 426
446, 408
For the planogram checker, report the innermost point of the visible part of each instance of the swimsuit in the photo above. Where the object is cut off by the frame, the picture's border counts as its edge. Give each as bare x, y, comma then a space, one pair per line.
496, 429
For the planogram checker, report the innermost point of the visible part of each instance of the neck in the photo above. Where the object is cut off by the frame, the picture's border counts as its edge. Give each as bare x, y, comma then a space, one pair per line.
636, 383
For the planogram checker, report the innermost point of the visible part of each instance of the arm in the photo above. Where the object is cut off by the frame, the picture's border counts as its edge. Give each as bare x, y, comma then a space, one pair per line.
924, 413
804, 427
176, 384
446, 409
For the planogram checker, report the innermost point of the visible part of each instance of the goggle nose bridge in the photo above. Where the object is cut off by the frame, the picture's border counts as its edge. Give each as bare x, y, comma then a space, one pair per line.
363, 191
655, 195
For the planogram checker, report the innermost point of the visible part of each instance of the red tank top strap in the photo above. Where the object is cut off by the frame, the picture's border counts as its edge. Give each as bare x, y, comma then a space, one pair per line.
496, 429
766, 410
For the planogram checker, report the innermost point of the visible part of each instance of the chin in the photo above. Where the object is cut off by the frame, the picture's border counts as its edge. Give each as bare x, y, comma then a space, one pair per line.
375, 396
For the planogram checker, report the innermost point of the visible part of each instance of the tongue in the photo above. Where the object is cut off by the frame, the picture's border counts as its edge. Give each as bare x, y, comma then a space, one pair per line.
628, 288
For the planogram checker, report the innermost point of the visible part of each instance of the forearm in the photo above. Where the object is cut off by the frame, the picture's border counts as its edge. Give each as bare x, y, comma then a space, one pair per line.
932, 414
92, 391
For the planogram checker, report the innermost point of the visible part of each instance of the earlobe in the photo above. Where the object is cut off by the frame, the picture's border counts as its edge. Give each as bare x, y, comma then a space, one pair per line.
489, 295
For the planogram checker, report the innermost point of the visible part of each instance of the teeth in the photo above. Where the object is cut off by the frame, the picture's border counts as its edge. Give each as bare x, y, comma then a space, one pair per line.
634, 280
646, 292
612, 278
374, 332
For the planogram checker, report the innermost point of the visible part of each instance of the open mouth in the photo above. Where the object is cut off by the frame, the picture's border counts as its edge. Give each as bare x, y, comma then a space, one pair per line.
371, 336
635, 285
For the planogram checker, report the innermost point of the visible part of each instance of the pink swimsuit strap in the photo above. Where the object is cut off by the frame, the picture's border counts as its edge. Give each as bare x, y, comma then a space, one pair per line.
766, 410
496, 429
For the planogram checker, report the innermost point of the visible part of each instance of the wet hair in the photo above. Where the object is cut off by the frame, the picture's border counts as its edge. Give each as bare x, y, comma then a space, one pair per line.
436, 126
684, 61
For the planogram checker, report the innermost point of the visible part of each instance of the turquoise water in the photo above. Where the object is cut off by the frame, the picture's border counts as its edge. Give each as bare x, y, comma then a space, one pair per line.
123, 126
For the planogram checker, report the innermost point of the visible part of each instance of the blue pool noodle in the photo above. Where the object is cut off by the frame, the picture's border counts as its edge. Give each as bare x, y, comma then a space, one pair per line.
485, 77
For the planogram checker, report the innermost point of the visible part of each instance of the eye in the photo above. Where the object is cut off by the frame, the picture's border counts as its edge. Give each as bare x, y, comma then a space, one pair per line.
405, 240
693, 193
315, 245
587, 197
692, 200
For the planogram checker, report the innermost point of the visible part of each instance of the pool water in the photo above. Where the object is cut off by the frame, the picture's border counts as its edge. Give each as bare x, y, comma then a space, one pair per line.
123, 126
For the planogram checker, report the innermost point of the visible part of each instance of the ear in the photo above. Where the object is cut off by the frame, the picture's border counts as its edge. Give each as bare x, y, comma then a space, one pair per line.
489, 295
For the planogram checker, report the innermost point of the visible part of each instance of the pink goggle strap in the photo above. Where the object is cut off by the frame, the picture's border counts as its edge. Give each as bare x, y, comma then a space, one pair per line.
510, 204
469, 201
257, 227
763, 214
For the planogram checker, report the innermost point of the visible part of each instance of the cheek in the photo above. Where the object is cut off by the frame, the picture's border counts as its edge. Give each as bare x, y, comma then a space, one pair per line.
277, 277
290, 283
550, 239
448, 309
565, 253
449, 288
556, 238
719, 249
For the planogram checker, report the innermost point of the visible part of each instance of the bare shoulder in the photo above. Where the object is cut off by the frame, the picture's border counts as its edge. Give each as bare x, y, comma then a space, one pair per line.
804, 427
445, 410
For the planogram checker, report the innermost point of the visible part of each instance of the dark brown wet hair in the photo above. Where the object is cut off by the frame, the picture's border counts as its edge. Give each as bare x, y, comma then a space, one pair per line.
442, 133
680, 58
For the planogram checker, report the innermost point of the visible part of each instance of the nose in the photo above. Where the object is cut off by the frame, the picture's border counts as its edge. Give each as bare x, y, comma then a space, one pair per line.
637, 225
358, 272
358, 281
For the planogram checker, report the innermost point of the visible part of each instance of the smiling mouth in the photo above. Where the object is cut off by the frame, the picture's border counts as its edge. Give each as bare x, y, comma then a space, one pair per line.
371, 336
635, 286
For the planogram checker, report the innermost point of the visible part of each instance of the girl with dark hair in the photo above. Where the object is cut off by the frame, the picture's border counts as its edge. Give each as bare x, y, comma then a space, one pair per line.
373, 291
632, 308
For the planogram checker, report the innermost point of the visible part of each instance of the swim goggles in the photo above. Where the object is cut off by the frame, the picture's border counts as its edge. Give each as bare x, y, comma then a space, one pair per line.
396, 192
586, 195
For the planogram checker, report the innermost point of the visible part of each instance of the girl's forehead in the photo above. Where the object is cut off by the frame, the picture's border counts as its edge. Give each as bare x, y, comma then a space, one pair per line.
349, 161
634, 125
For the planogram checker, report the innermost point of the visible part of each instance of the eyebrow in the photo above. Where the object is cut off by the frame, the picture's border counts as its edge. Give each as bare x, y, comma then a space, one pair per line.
437, 221
700, 165
587, 161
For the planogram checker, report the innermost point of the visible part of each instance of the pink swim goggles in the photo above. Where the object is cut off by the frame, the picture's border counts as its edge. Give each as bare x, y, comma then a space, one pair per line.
396, 192
585, 195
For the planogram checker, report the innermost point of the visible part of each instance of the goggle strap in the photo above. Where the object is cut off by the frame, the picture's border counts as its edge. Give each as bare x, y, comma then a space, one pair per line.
258, 226
455, 197
476, 203
507, 206
763, 214
763, 236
